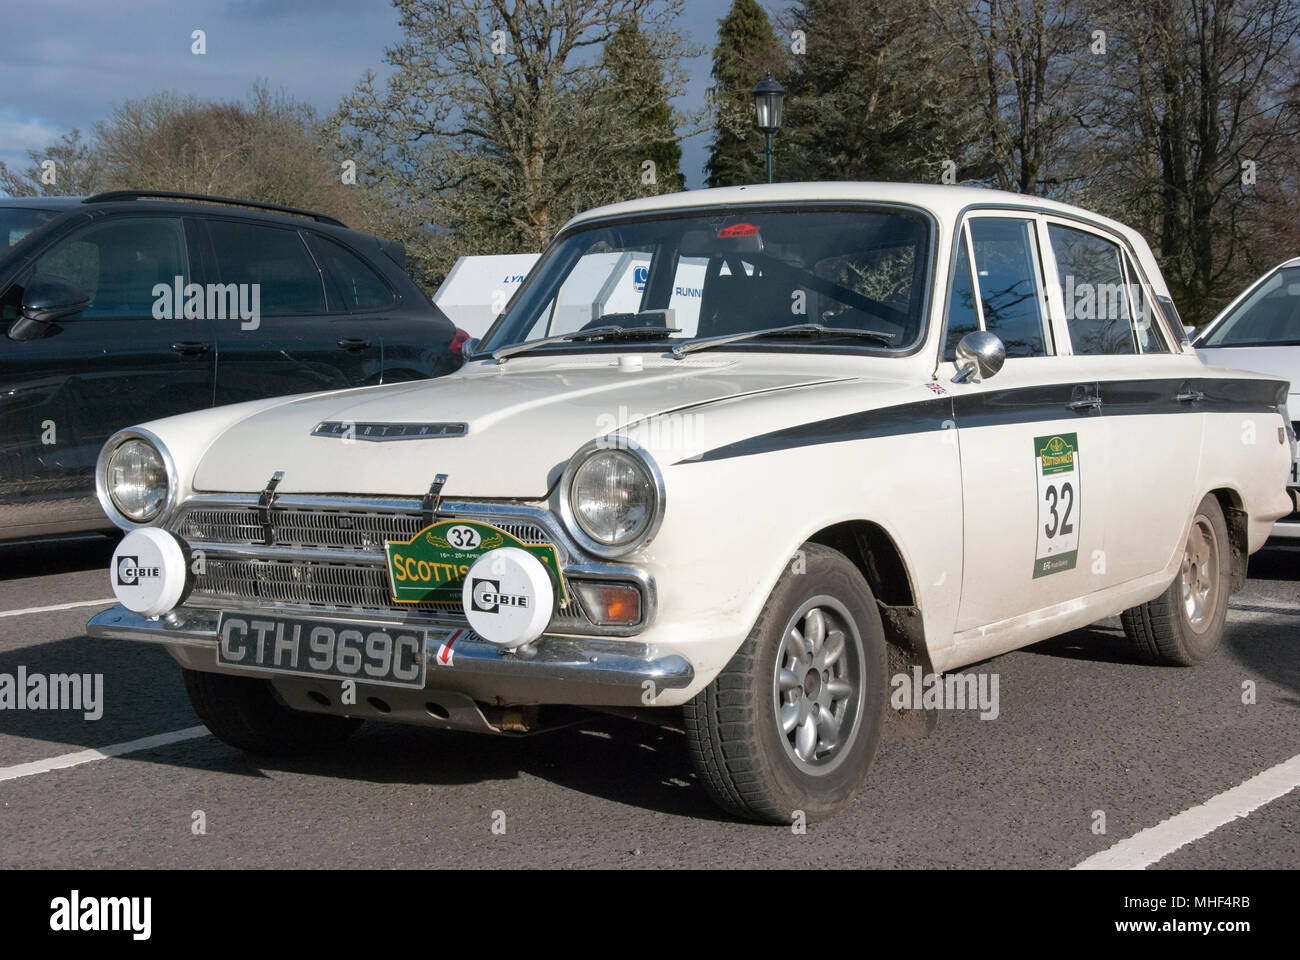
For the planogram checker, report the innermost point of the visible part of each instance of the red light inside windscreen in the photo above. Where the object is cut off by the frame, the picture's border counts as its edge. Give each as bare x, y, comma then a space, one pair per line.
738, 230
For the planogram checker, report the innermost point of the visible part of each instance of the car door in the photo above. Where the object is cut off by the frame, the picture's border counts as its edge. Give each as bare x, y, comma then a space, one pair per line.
129, 357
415, 341
1033, 444
292, 333
1147, 392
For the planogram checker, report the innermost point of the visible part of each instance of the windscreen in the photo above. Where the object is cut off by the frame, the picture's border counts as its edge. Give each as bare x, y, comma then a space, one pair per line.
1269, 317
17, 222
723, 273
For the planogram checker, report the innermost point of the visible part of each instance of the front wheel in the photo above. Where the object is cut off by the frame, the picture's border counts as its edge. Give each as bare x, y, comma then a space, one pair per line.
1184, 625
791, 724
245, 713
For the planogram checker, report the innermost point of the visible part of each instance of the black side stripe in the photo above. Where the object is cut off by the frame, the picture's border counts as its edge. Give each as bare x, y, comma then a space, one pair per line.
1020, 405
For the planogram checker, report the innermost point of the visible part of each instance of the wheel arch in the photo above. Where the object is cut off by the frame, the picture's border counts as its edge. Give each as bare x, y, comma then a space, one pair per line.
1238, 518
876, 555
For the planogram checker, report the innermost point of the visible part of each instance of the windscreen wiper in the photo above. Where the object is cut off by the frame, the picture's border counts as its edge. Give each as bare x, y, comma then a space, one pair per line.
612, 332
797, 329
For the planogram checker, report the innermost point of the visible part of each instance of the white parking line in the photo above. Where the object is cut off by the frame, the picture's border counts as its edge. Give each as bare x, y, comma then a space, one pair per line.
101, 753
1155, 843
57, 606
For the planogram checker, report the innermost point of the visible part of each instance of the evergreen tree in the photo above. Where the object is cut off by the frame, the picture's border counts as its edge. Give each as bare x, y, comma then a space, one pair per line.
640, 93
747, 48
876, 96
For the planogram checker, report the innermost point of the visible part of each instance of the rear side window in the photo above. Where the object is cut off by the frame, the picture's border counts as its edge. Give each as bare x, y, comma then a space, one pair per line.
118, 262
276, 259
360, 286
1008, 279
1091, 273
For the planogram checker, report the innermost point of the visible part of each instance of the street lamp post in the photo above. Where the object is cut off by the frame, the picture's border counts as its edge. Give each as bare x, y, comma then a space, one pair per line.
769, 99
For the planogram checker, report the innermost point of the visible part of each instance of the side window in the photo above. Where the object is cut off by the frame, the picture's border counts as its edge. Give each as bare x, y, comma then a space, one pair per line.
1008, 279
362, 288
274, 258
1091, 274
962, 315
117, 262
1145, 325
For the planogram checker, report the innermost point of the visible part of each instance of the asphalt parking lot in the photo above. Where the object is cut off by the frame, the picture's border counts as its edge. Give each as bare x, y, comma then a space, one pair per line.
1081, 730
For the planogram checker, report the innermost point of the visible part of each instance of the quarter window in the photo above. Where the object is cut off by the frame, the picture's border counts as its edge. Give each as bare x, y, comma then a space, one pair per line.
963, 318
1145, 325
361, 287
275, 258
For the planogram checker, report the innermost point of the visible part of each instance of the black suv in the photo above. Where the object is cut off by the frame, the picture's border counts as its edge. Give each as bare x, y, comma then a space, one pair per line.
129, 306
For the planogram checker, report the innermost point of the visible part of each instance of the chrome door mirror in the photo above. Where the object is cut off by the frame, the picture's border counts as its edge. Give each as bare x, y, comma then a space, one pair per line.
980, 355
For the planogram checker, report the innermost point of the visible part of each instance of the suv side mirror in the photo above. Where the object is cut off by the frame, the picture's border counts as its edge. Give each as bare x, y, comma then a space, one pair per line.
45, 300
980, 355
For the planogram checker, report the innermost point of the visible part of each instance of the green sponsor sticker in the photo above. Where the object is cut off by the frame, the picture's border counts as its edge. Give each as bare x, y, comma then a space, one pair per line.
1056, 453
431, 566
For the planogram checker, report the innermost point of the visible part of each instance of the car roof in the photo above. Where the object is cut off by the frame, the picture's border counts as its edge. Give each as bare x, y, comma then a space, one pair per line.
151, 204
943, 201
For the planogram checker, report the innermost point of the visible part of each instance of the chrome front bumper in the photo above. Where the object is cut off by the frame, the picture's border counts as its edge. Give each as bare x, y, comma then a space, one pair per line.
581, 671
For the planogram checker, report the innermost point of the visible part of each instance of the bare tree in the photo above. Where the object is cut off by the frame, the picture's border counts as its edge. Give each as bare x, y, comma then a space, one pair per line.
1199, 122
1021, 60
495, 125
69, 168
264, 149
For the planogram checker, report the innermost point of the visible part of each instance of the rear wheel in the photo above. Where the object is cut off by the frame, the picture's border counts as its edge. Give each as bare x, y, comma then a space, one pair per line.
245, 713
1184, 625
791, 724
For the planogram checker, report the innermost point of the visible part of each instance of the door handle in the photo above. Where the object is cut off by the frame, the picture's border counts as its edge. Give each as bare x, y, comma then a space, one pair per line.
189, 348
353, 344
1085, 396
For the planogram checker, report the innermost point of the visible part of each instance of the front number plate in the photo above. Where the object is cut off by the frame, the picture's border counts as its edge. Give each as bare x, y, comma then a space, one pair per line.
366, 653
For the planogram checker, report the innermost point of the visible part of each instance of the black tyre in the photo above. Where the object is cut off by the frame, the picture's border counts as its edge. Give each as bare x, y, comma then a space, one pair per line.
1184, 625
792, 722
245, 713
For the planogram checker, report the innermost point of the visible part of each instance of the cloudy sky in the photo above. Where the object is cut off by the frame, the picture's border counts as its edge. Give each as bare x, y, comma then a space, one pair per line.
65, 63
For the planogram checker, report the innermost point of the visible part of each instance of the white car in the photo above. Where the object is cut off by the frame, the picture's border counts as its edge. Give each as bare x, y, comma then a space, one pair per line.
910, 428
1260, 330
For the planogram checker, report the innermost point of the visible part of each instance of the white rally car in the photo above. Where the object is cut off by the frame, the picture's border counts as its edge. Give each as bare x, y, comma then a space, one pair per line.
1260, 330
848, 432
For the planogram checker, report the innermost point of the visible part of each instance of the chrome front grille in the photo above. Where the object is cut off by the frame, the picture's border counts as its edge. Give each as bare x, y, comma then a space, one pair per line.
269, 582
332, 529
322, 557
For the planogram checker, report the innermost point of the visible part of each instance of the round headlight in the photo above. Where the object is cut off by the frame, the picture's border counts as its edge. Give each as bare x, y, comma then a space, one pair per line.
613, 498
137, 480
